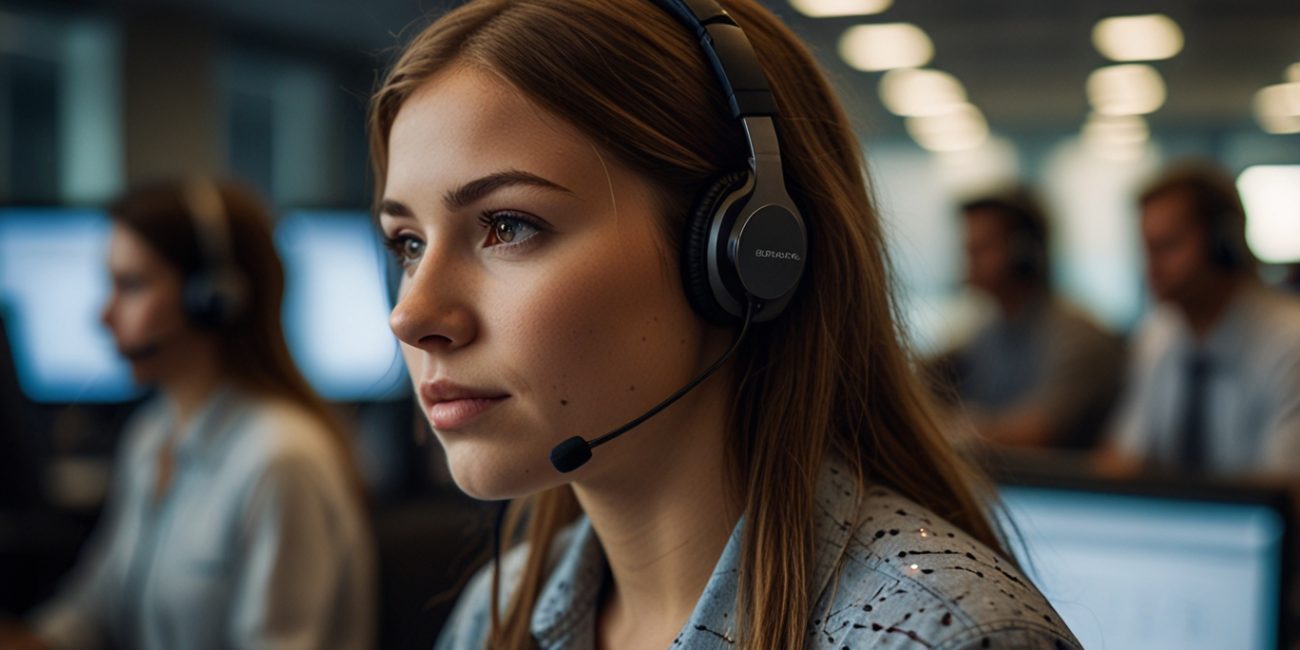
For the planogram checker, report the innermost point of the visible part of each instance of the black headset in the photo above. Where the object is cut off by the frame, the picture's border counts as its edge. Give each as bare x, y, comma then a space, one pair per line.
1225, 235
745, 240
217, 293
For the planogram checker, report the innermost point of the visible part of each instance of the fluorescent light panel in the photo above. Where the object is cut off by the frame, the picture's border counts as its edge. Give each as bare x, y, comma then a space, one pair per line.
873, 48
910, 92
1149, 37
1277, 108
832, 8
1271, 196
1127, 89
960, 128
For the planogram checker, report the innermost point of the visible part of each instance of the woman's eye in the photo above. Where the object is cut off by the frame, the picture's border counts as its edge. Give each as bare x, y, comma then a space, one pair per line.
406, 249
129, 284
506, 229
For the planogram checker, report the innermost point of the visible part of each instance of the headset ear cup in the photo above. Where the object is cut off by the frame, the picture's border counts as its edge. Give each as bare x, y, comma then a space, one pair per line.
198, 298
695, 254
1027, 259
1226, 243
212, 299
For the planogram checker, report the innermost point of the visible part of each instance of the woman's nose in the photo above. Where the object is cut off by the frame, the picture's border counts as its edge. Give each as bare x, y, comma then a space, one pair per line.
432, 311
106, 312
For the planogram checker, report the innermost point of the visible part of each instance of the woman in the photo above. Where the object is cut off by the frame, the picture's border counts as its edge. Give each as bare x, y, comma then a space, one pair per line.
235, 519
537, 162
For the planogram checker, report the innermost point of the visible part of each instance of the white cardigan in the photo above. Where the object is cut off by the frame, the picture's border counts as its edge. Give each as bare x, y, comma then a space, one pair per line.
259, 542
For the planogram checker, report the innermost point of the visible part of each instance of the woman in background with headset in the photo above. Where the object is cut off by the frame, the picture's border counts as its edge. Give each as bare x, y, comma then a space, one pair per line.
543, 168
236, 518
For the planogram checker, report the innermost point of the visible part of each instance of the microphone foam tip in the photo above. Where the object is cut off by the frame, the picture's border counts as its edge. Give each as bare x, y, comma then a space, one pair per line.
570, 454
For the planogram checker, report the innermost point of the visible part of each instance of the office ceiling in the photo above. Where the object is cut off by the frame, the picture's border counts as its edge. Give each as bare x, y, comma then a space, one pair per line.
1023, 62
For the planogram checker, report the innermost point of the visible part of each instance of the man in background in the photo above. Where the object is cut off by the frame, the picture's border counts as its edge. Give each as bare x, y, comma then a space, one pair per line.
1214, 384
1042, 374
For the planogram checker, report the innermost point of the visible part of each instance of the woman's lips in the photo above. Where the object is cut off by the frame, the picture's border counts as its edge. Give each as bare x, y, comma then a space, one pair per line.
451, 405
450, 414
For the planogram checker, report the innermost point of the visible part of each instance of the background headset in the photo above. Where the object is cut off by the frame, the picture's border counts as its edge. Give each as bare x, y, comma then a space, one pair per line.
216, 294
746, 245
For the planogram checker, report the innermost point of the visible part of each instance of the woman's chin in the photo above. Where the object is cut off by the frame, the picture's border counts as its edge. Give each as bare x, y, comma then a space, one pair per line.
494, 479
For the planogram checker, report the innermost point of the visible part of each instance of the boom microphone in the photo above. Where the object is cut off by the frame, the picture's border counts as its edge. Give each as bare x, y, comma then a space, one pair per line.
576, 451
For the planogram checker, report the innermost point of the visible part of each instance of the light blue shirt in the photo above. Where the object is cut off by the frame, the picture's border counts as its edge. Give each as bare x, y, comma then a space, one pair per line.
888, 574
1252, 392
259, 542
1051, 357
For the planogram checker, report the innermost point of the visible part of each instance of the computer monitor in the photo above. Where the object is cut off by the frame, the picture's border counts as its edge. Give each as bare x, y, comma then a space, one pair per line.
53, 281
336, 305
1133, 567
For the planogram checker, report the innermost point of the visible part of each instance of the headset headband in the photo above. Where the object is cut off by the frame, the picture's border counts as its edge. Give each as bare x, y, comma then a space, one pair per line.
203, 198
729, 53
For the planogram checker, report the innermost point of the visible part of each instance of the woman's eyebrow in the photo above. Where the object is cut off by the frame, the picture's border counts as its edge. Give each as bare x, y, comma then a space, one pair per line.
478, 188
475, 190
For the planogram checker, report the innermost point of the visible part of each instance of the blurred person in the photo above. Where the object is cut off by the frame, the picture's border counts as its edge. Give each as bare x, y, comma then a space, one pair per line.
235, 518
1042, 374
1214, 384
547, 176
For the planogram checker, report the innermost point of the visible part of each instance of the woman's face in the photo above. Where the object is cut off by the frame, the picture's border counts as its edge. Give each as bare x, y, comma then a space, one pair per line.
143, 311
538, 300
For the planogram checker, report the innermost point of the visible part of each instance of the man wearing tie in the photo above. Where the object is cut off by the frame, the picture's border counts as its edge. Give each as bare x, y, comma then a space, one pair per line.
1214, 380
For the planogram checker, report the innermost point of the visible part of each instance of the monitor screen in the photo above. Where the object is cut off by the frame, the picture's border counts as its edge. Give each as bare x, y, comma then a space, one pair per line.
53, 284
336, 305
1130, 571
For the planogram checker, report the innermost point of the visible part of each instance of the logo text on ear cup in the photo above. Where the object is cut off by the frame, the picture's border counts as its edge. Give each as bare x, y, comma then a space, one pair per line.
780, 255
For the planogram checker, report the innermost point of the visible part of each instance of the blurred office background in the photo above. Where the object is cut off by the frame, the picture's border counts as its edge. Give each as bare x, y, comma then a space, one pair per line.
949, 98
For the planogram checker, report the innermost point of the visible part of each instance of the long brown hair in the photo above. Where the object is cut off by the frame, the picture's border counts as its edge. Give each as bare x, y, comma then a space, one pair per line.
254, 354
830, 376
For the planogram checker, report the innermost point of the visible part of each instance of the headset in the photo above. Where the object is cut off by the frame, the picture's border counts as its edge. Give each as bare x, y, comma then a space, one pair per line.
745, 240
1225, 234
746, 244
217, 293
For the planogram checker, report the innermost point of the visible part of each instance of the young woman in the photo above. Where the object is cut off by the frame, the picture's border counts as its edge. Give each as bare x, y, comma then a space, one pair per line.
235, 519
540, 171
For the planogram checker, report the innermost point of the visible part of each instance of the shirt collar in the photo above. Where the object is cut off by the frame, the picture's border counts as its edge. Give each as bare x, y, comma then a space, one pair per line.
836, 503
566, 608
209, 424
565, 611
1228, 338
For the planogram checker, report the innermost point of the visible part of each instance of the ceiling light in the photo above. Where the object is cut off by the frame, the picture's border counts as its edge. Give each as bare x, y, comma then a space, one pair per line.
830, 8
1119, 138
1271, 196
1129, 89
1138, 38
884, 47
1277, 108
959, 128
910, 92
1115, 130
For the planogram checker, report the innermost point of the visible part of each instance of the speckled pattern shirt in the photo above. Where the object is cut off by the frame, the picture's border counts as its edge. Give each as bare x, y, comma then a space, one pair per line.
900, 577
